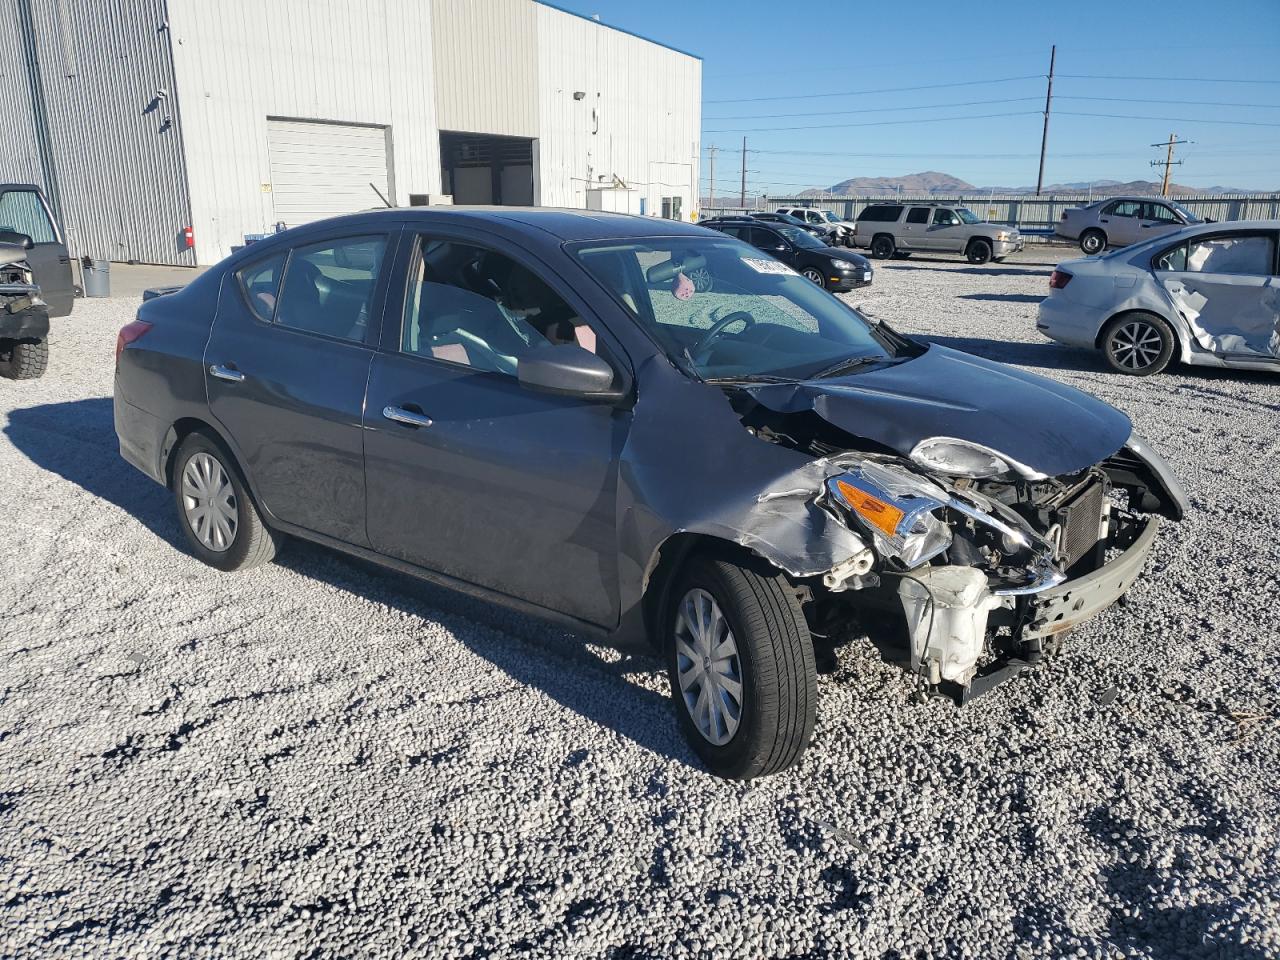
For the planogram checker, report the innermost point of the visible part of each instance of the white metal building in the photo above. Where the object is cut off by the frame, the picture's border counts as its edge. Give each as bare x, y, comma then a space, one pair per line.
148, 117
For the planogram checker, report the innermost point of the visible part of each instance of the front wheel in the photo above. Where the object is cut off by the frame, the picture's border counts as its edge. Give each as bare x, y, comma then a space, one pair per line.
23, 359
741, 666
979, 251
1139, 344
882, 247
815, 275
215, 511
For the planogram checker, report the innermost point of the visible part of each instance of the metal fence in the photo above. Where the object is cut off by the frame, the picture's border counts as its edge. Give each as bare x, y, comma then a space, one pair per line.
1028, 213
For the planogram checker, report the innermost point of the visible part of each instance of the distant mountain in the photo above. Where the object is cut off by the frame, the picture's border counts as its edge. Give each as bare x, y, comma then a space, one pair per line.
1135, 188
930, 181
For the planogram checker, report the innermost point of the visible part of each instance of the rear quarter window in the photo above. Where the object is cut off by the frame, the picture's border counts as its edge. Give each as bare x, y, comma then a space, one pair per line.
882, 214
260, 283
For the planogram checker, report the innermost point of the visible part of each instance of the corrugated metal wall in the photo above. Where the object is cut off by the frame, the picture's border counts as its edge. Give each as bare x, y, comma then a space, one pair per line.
350, 61
19, 150
640, 119
113, 132
486, 66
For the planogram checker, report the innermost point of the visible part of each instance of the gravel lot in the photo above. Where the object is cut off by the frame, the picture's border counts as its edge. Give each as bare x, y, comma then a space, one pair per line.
320, 759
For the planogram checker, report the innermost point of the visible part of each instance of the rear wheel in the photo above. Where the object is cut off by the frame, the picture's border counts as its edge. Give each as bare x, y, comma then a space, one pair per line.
979, 251
23, 359
215, 511
814, 274
741, 665
882, 247
1139, 344
1093, 242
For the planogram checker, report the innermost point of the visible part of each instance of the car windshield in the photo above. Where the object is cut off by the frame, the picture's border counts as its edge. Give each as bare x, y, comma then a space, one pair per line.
801, 238
724, 310
967, 215
1187, 214
829, 216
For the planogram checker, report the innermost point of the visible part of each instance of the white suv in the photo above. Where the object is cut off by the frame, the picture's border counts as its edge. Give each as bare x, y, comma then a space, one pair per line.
841, 231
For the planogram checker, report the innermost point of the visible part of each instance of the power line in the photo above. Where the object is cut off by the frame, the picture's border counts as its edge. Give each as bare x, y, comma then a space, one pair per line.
858, 93
876, 123
840, 113
1090, 76
1129, 116
1189, 103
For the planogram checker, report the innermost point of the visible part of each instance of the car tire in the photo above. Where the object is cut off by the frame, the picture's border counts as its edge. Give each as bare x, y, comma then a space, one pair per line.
882, 246
1138, 344
815, 275
23, 359
215, 511
769, 659
1093, 242
979, 251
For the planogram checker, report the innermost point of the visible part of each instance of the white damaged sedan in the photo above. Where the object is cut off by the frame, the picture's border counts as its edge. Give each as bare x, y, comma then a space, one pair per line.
1207, 295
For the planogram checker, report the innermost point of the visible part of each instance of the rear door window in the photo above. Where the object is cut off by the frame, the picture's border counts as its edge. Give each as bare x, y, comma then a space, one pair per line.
1124, 208
329, 286
1251, 255
918, 215
21, 211
261, 285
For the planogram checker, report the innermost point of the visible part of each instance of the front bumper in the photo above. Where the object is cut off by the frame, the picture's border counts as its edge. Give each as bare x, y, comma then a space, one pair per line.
1005, 247
1071, 603
29, 324
843, 282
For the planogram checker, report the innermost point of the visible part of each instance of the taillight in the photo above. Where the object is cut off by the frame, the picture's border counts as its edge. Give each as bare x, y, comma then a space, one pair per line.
129, 333
1059, 279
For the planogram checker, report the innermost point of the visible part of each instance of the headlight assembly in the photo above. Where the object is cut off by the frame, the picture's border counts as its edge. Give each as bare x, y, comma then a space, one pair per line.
897, 508
959, 458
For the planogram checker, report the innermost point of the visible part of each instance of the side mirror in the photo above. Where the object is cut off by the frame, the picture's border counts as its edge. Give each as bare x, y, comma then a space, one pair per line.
17, 239
567, 370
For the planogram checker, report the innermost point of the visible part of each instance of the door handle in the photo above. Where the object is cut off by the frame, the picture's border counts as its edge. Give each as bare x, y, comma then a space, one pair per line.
410, 418
230, 374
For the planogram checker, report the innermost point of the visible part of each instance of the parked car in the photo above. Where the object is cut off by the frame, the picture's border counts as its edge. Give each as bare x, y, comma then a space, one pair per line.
828, 267
821, 231
1120, 221
24, 316
841, 230
889, 228
1207, 295
537, 407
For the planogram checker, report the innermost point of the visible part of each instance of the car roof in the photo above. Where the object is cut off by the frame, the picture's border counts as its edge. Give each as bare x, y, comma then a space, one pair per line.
1230, 226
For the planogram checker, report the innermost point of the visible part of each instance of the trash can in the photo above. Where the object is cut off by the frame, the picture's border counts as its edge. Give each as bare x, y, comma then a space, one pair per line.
96, 276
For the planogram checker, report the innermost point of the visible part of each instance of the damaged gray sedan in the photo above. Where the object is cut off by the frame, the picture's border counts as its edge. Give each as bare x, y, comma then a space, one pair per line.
650, 433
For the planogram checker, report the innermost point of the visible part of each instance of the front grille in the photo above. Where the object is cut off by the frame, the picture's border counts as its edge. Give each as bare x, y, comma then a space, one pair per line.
1081, 521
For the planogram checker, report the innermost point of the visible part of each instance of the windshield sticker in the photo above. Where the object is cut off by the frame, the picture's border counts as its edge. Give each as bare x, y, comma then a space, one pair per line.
767, 266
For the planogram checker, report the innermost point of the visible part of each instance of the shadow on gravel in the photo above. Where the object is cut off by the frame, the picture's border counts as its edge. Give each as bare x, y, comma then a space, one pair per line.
949, 266
1050, 356
76, 441
1003, 297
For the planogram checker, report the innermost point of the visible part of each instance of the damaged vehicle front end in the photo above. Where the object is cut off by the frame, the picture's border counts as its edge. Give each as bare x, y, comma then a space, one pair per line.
962, 514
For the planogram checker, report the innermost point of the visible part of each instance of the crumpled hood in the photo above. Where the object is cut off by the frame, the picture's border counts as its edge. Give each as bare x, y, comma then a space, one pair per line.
1049, 427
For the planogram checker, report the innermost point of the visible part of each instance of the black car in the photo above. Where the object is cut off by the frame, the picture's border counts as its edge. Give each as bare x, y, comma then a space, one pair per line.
540, 407
829, 267
821, 233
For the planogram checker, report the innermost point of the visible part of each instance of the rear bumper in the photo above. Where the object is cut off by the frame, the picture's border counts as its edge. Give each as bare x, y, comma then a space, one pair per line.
1071, 603
29, 324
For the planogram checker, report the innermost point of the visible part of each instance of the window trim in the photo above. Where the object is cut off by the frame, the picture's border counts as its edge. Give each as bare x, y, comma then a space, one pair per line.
1186, 241
393, 332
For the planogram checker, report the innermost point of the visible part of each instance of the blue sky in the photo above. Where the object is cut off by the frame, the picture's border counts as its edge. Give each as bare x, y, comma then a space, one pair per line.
752, 50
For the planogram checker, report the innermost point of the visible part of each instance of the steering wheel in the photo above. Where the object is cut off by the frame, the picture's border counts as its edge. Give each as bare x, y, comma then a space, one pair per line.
719, 327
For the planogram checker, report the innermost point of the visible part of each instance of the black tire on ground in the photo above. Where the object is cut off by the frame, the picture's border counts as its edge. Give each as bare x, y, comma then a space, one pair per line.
775, 660
815, 275
882, 246
979, 251
1093, 241
902, 254
252, 543
1138, 344
23, 359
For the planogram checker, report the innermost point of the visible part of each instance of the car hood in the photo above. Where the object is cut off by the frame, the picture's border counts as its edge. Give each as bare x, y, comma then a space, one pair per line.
1051, 428
835, 253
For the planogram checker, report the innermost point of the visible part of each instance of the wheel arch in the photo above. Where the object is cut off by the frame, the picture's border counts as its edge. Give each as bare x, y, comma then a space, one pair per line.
1179, 336
182, 428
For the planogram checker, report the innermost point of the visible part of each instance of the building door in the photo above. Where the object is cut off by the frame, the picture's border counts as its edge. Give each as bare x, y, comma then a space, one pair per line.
323, 170
481, 169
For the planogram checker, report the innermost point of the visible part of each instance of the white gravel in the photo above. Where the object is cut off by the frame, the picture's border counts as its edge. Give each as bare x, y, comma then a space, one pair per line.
321, 759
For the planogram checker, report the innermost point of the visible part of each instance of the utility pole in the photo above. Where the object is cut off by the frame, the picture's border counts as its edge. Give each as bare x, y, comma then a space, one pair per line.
1168, 160
711, 150
742, 197
1048, 102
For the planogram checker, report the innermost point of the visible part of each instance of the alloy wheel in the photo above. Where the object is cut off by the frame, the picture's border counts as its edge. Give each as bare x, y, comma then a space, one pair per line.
209, 502
810, 273
708, 667
1136, 345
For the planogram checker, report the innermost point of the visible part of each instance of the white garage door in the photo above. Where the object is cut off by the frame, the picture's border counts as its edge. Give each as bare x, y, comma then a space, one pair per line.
324, 169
